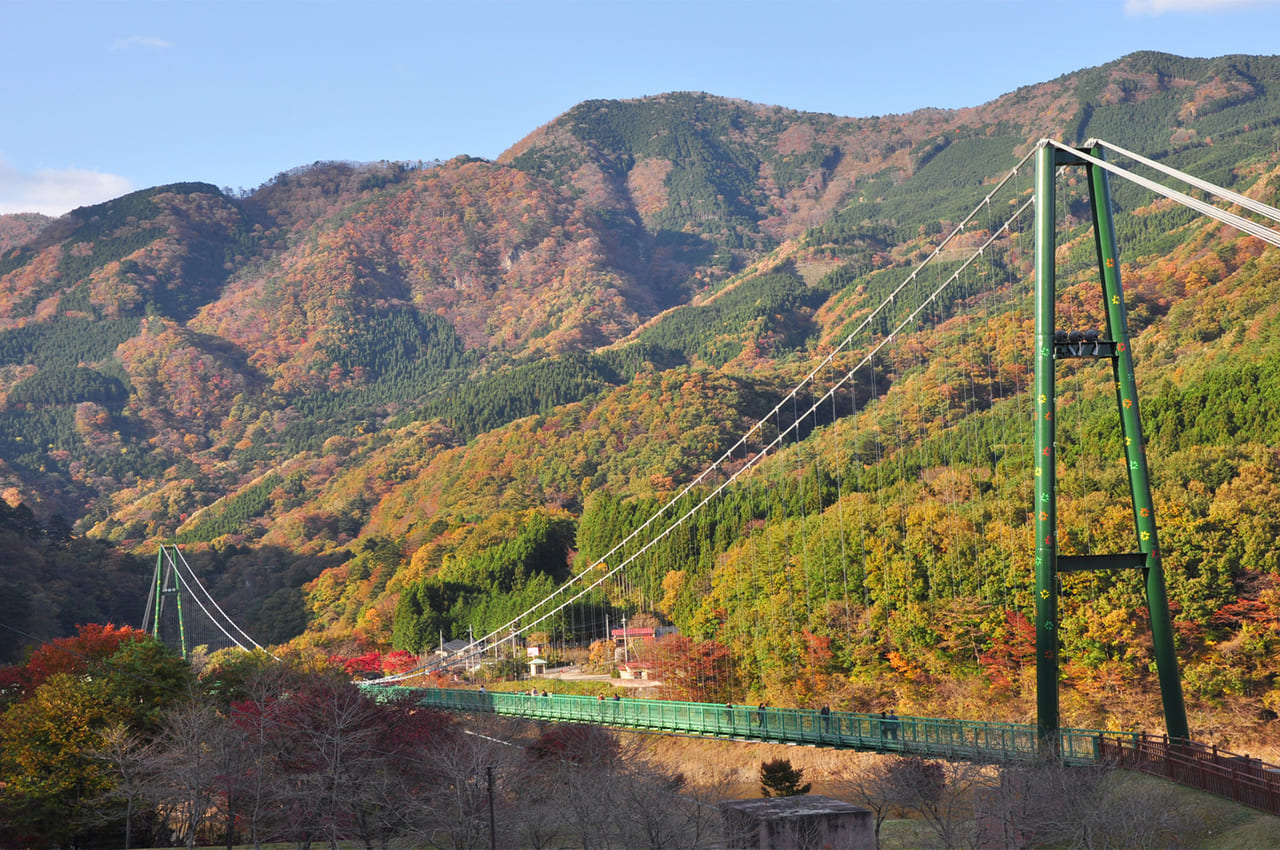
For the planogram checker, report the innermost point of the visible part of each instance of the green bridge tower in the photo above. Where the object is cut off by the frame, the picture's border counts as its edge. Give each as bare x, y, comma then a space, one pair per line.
1112, 344
165, 604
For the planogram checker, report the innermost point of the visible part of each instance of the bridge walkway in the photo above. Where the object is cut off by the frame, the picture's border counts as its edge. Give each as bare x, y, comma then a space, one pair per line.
931, 737
1245, 780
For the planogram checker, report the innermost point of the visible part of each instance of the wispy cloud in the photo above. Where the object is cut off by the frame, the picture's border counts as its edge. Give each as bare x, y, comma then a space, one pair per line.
141, 41
1154, 8
54, 192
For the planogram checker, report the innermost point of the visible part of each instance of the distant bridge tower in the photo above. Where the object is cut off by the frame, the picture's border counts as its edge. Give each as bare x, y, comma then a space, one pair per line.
164, 617
1111, 344
182, 614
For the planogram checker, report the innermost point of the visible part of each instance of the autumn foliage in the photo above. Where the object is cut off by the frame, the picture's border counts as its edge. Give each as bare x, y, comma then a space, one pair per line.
91, 647
361, 394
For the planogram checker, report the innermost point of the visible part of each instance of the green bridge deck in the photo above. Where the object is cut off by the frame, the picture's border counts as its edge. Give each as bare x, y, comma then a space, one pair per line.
967, 740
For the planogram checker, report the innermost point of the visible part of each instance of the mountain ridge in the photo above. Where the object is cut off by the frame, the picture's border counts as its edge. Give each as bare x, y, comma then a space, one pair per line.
357, 375
630, 288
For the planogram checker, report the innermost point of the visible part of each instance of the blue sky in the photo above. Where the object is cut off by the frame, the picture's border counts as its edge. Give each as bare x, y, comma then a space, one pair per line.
101, 97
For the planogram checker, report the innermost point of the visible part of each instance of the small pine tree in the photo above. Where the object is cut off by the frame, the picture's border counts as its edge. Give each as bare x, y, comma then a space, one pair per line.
779, 779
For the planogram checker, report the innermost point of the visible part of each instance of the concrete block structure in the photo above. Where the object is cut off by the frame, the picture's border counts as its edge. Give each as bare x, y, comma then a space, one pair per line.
804, 822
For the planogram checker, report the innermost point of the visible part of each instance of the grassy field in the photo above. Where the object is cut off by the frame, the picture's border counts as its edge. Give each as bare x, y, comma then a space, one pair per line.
1192, 819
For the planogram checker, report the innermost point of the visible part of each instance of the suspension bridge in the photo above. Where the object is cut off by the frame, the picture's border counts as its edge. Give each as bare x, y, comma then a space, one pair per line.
1018, 388
182, 613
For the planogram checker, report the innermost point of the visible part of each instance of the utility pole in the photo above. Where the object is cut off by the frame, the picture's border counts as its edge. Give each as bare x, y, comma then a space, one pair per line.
493, 839
472, 664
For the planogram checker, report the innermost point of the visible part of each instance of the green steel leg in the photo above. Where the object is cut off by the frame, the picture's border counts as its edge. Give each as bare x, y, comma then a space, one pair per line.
177, 593
159, 593
1046, 521
163, 560
1135, 454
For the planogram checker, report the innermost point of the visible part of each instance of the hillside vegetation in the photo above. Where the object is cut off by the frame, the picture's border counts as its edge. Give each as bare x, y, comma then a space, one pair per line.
381, 402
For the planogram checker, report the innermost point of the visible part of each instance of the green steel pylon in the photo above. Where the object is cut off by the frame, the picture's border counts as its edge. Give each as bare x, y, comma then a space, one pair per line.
168, 583
1111, 344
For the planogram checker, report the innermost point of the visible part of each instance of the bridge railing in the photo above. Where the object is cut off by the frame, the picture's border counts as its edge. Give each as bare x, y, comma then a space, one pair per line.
1250, 781
925, 736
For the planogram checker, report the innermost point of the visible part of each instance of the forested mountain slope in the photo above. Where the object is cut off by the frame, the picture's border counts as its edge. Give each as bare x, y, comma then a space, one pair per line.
379, 401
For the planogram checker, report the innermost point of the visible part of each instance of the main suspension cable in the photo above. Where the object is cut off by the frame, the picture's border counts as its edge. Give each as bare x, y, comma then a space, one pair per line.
1241, 223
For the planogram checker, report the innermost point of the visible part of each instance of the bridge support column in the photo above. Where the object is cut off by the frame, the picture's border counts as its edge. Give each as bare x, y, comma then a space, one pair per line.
1113, 344
1046, 477
1144, 514
166, 584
